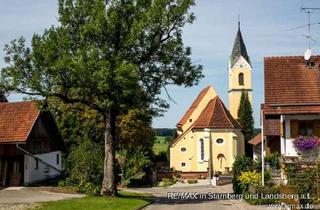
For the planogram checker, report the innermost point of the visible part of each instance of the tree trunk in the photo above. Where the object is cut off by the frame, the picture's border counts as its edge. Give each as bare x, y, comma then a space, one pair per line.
108, 184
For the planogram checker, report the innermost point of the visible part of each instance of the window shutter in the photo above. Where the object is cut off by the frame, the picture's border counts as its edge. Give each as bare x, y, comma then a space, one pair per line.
294, 128
283, 129
316, 128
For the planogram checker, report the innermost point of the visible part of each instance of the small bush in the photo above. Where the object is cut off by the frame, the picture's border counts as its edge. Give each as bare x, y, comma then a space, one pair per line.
274, 160
165, 182
253, 178
257, 199
249, 178
242, 163
192, 181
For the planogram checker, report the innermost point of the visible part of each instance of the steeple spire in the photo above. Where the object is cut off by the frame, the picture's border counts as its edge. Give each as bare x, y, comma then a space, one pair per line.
239, 48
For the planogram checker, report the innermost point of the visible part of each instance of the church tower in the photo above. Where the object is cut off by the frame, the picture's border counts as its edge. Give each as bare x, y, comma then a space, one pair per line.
239, 74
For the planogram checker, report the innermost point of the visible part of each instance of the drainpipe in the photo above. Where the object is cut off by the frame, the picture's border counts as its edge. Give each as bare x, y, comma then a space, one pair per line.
282, 137
31, 155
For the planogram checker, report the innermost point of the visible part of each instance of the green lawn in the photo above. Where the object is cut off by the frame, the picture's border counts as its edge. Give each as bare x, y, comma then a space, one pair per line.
125, 201
160, 145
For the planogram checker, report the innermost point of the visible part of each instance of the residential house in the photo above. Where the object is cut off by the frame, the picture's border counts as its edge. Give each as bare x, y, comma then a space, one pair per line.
292, 102
256, 146
30, 144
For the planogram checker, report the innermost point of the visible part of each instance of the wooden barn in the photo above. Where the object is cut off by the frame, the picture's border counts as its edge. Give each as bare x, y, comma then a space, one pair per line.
30, 144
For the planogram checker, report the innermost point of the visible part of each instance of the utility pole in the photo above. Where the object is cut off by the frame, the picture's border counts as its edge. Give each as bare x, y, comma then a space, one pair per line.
262, 148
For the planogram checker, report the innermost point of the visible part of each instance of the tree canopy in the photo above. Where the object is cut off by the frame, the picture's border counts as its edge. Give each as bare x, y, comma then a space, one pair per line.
110, 56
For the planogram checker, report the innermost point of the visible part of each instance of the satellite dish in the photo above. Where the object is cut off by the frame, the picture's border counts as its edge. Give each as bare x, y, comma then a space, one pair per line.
307, 54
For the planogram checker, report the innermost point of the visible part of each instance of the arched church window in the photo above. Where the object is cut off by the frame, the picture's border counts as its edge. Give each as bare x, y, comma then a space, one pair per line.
201, 149
241, 79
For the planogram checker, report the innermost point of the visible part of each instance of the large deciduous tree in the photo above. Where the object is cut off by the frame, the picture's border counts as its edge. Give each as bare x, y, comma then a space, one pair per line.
108, 55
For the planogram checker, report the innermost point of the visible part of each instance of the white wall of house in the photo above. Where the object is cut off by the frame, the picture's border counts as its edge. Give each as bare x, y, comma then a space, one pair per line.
287, 147
35, 171
256, 152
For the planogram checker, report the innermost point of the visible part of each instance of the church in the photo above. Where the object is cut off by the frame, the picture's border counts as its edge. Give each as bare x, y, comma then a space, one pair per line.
209, 128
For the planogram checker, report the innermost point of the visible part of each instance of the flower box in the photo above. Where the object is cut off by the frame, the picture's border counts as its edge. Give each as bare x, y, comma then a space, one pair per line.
307, 146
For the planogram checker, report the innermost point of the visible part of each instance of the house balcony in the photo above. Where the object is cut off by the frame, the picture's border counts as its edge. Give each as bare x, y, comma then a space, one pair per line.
296, 125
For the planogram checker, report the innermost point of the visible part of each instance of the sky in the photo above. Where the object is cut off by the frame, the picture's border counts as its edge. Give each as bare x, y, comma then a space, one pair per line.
265, 26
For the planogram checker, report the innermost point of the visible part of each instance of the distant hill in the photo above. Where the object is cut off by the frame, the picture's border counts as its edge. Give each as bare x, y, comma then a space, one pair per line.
165, 131
172, 131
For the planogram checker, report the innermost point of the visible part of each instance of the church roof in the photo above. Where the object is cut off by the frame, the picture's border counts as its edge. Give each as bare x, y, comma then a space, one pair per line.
216, 116
239, 49
194, 105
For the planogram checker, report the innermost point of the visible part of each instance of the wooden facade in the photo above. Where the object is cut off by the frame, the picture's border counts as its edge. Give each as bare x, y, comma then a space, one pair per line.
43, 138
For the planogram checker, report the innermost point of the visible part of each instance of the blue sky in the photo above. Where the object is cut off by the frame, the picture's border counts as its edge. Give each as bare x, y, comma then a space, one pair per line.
264, 26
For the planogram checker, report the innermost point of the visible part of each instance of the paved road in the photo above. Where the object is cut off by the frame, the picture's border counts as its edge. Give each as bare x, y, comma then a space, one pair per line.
21, 198
163, 202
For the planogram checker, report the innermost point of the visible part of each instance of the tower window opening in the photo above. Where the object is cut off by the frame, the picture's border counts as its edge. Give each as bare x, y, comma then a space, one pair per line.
241, 79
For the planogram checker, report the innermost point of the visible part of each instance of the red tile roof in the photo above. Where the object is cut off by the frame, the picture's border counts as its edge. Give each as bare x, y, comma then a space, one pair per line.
194, 105
216, 115
256, 140
17, 120
291, 86
302, 109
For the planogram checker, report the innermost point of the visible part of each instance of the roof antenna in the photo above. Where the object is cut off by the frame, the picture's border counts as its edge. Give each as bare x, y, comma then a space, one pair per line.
309, 10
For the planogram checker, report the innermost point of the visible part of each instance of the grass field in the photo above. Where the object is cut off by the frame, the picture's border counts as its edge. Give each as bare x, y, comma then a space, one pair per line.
125, 201
160, 145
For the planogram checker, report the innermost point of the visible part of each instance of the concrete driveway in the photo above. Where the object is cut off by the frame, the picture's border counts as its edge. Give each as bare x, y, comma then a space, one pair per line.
17, 198
192, 203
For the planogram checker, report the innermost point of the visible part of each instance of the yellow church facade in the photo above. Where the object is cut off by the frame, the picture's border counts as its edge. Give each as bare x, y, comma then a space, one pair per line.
208, 129
190, 151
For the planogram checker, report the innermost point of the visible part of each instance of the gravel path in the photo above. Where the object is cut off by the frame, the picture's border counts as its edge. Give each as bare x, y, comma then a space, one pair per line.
22, 198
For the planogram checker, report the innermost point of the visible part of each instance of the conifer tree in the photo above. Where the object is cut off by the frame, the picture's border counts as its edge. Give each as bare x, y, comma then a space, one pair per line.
245, 118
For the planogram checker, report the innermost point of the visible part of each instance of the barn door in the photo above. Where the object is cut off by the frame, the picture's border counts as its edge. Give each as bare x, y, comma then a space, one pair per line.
15, 175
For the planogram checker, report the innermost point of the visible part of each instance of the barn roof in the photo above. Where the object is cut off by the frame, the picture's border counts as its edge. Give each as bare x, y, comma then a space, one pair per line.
17, 120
